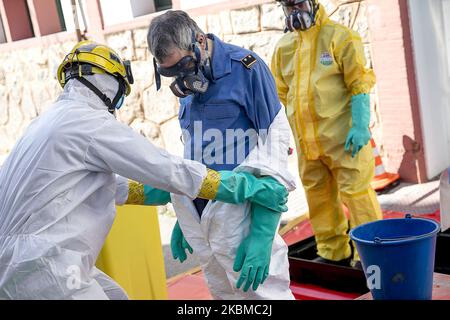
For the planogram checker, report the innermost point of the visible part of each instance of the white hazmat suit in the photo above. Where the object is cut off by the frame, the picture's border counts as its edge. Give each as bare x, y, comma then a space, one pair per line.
58, 192
222, 227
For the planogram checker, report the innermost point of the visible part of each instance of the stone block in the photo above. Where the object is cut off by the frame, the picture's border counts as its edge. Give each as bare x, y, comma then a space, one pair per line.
171, 133
140, 38
148, 129
4, 105
225, 22
246, 20
122, 43
159, 106
202, 22
262, 43
214, 25
272, 17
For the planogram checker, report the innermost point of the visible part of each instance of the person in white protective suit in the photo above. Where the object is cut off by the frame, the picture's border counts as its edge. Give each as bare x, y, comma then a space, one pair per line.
58, 186
231, 119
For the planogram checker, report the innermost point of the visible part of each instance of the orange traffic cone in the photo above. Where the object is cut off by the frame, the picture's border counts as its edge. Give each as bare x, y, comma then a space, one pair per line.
382, 179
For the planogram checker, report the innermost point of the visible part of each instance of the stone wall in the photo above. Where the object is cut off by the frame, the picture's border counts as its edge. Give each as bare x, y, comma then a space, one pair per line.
28, 83
28, 86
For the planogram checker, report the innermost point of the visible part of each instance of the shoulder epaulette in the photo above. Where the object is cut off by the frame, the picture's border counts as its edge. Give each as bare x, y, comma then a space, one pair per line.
248, 61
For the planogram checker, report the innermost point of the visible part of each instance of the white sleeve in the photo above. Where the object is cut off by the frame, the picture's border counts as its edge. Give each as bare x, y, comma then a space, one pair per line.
121, 190
270, 156
117, 148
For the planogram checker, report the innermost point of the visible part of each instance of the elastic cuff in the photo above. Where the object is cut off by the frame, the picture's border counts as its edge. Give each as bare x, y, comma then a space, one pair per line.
362, 89
136, 193
121, 190
210, 185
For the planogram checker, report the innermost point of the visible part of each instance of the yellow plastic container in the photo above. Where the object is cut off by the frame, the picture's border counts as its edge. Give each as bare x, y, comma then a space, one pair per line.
132, 254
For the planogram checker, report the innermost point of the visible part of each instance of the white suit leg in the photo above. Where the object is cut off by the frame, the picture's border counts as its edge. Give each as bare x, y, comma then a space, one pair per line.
216, 237
109, 286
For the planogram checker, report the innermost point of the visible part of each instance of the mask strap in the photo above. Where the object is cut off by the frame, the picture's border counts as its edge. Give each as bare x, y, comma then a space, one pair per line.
100, 94
157, 75
196, 49
198, 55
206, 66
107, 101
315, 7
302, 21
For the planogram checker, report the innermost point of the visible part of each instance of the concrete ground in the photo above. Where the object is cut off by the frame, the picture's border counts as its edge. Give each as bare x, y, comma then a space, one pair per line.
408, 198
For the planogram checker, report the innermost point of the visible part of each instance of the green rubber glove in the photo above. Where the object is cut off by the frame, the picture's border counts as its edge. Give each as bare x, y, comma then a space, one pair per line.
253, 254
155, 197
359, 134
238, 187
178, 244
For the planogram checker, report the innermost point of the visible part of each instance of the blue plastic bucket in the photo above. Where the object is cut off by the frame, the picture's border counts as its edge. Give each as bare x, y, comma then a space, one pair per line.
398, 257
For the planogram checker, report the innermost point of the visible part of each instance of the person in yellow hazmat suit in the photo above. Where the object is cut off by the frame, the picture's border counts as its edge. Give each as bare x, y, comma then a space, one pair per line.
321, 78
60, 183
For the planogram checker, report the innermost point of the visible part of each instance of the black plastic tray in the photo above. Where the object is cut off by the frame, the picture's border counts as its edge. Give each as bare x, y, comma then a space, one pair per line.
303, 268
442, 261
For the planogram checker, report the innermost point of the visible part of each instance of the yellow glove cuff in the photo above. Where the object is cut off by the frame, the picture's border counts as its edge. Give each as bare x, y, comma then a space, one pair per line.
135, 193
210, 185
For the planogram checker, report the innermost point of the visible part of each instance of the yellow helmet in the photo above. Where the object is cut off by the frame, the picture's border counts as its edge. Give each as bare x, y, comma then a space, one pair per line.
87, 58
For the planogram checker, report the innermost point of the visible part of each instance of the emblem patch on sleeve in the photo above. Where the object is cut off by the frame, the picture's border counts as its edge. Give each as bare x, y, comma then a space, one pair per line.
326, 59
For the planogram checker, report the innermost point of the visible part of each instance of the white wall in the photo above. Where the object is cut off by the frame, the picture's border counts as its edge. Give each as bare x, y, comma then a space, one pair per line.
189, 4
430, 27
119, 11
116, 11
142, 7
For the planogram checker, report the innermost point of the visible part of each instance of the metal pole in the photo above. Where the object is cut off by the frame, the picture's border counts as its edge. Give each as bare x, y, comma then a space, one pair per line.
83, 16
80, 36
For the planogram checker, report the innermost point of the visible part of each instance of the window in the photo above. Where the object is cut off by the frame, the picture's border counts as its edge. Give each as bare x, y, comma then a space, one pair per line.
18, 18
163, 4
49, 16
2, 32
29, 18
65, 11
141, 8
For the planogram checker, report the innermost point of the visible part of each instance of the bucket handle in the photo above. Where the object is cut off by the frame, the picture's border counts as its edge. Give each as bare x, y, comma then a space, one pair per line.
379, 240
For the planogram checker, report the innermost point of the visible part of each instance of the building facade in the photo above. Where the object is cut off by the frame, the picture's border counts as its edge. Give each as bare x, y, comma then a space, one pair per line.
410, 105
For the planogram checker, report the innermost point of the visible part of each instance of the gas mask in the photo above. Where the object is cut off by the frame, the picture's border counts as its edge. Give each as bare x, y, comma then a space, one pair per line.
296, 18
191, 74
